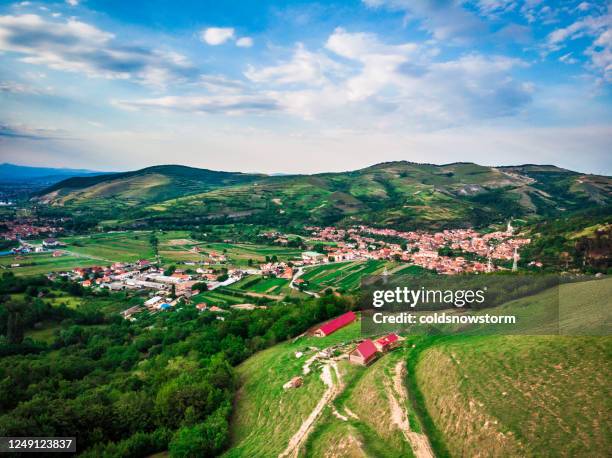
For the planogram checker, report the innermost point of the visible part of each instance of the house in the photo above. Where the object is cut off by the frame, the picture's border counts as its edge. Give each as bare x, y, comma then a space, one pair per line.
335, 324
50, 243
165, 306
86, 283
216, 309
201, 307
387, 343
313, 257
364, 353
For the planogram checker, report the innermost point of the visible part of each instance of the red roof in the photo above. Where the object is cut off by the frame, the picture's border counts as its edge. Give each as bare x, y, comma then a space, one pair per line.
384, 341
366, 349
337, 323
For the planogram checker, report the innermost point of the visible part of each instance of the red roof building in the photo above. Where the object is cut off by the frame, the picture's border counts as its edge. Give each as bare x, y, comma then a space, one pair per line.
387, 343
364, 353
335, 324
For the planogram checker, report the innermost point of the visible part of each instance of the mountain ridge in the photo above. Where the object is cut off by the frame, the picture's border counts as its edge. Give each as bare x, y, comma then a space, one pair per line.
401, 193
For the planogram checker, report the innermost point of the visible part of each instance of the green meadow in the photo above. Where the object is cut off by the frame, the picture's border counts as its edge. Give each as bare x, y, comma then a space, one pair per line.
43, 263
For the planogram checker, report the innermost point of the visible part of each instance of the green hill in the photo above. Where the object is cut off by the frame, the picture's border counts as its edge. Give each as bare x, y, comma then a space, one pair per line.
402, 194
461, 395
128, 189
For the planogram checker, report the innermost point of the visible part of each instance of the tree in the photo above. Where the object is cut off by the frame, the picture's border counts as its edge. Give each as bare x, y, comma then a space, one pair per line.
204, 439
200, 286
14, 327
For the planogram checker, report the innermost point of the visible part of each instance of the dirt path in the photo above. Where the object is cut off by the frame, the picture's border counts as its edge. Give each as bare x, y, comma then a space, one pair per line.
333, 389
397, 401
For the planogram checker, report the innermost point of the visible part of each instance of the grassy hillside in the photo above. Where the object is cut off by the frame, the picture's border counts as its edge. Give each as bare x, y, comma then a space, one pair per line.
525, 395
520, 395
462, 395
152, 184
403, 194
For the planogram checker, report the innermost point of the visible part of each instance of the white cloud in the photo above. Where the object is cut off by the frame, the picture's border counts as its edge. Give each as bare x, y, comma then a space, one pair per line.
73, 2
217, 35
444, 19
75, 46
227, 104
597, 28
244, 42
304, 67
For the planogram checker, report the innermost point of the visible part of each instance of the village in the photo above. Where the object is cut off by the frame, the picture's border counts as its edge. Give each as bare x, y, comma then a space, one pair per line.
447, 252
425, 249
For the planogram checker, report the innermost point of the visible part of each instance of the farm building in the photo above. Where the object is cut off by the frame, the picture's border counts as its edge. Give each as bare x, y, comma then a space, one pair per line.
335, 324
364, 353
387, 343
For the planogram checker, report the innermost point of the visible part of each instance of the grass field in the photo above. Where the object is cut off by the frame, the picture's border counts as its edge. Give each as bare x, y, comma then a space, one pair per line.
240, 253
42, 263
520, 395
113, 247
525, 395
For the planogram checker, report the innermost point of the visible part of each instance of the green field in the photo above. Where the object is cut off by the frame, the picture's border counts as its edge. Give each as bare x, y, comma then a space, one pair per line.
240, 253
112, 247
345, 276
43, 263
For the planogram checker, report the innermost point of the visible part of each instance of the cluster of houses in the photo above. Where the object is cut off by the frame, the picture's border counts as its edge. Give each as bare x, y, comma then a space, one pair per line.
422, 248
166, 290
367, 350
24, 228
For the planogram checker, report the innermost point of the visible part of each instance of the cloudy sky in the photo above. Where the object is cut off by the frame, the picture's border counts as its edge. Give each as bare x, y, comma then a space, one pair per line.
296, 86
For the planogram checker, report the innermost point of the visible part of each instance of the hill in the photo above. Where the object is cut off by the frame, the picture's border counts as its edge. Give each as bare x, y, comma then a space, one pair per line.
148, 185
462, 395
403, 194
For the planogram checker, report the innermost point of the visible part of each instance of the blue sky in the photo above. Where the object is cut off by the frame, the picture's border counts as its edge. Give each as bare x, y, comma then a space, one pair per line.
298, 86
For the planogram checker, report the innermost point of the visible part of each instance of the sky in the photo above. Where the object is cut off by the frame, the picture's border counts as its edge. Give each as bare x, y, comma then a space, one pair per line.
305, 87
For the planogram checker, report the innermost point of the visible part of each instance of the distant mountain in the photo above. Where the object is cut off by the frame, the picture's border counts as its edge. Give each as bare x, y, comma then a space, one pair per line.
402, 194
12, 173
145, 186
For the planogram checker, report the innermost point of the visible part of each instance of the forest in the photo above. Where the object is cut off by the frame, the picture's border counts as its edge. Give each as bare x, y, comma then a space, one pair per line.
164, 382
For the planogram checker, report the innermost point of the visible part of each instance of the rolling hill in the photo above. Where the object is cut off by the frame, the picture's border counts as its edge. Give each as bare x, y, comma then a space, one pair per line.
145, 186
403, 194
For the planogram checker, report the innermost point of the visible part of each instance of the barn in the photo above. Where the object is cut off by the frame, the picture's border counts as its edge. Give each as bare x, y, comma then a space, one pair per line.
335, 324
364, 353
387, 343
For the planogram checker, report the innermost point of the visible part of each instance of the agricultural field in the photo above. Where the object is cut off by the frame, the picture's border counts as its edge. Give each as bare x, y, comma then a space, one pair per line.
344, 276
43, 263
240, 253
112, 246
220, 297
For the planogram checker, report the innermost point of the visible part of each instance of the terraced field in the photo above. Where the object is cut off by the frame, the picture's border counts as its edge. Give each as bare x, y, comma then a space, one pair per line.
343, 276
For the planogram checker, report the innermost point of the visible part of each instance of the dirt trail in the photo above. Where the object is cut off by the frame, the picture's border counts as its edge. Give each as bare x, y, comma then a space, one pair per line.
333, 389
397, 401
